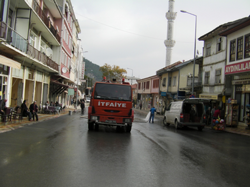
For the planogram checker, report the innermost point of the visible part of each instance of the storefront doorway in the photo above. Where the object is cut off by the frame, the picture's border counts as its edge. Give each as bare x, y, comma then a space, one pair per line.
242, 100
38, 93
3, 87
29, 89
17, 92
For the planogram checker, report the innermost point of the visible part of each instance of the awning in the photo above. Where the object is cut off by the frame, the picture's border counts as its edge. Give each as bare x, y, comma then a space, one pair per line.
9, 62
209, 96
60, 88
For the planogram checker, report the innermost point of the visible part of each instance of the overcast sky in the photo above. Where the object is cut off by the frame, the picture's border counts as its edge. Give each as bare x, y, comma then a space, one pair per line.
131, 33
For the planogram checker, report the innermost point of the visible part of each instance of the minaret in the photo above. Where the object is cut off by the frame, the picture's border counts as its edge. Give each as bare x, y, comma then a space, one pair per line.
169, 42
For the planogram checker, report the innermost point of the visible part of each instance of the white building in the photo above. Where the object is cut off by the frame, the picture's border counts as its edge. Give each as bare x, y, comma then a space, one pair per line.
237, 70
214, 60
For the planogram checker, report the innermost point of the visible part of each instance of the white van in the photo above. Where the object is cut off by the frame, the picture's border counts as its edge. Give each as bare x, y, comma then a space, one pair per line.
189, 112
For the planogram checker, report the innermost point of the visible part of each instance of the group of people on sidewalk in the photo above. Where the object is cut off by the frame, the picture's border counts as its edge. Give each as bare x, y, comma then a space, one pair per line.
31, 112
215, 113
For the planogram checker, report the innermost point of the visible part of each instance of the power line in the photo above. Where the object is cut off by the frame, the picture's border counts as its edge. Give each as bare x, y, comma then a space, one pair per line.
125, 30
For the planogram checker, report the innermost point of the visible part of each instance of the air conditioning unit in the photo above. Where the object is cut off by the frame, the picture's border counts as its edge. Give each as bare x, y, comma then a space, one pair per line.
49, 52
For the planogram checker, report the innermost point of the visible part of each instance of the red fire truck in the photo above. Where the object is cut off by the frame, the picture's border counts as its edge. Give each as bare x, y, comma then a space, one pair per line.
111, 105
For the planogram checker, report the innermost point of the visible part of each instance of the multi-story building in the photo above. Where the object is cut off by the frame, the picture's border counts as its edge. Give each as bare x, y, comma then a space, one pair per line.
31, 36
237, 69
214, 60
176, 81
69, 61
148, 92
35, 49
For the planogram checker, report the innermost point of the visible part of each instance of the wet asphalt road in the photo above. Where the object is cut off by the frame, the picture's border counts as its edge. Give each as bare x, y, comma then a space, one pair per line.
62, 152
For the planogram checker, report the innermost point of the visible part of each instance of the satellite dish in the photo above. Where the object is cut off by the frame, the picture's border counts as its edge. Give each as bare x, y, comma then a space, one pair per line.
64, 70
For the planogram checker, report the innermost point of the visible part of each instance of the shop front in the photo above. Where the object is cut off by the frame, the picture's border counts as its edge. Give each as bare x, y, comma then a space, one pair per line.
240, 73
242, 95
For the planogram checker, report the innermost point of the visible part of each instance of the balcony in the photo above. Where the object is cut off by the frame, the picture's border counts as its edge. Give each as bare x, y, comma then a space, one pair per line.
17, 41
33, 52
45, 20
13, 38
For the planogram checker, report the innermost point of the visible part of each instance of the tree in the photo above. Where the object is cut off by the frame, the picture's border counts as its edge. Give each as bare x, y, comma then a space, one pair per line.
112, 72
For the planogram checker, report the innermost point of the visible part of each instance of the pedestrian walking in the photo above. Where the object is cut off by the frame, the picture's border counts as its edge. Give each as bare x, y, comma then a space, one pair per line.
82, 106
34, 109
208, 115
152, 114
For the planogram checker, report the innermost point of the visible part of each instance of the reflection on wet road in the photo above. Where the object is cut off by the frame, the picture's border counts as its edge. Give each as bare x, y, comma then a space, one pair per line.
62, 152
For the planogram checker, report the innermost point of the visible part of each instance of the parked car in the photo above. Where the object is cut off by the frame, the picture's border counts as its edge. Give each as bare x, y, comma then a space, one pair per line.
189, 112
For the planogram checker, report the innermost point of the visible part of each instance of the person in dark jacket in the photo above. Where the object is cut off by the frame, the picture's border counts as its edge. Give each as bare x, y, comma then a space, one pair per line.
3, 109
25, 111
34, 110
82, 106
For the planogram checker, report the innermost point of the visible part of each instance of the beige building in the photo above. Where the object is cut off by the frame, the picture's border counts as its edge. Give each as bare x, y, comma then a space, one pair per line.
176, 81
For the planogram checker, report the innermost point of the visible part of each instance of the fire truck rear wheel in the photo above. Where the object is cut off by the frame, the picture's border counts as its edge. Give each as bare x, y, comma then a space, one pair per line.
128, 128
96, 127
91, 126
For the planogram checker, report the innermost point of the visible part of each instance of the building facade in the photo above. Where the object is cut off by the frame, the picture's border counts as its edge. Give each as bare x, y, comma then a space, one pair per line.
237, 69
32, 37
148, 92
29, 35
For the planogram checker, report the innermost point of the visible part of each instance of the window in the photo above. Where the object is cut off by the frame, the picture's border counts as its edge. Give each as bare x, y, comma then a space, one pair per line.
218, 76
219, 44
32, 39
174, 81
232, 51
147, 85
43, 47
207, 75
169, 81
240, 48
247, 46
139, 86
156, 83
62, 57
164, 82
208, 49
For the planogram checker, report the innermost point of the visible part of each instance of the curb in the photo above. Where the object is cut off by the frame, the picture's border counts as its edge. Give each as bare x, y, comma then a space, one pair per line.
9, 128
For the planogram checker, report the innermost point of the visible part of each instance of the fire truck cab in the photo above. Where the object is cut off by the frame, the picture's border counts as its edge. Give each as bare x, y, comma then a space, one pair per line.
111, 105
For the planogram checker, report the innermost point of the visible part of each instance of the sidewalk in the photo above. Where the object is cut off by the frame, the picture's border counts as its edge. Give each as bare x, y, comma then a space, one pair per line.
15, 124
240, 129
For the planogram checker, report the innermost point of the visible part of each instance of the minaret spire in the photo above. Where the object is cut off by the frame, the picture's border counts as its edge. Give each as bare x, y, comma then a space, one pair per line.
169, 42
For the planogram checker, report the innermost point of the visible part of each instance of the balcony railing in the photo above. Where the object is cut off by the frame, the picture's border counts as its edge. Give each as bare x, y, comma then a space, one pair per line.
33, 52
46, 20
13, 38
17, 41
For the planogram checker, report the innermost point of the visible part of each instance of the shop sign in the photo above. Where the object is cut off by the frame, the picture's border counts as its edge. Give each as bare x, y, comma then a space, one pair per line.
164, 94
247, 81
207, 96
243, 88
237, 68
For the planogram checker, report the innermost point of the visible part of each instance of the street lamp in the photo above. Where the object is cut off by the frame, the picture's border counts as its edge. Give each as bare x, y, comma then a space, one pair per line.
132, 75
183, 11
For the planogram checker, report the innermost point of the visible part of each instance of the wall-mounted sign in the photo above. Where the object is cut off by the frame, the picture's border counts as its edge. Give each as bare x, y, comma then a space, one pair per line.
237, 68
